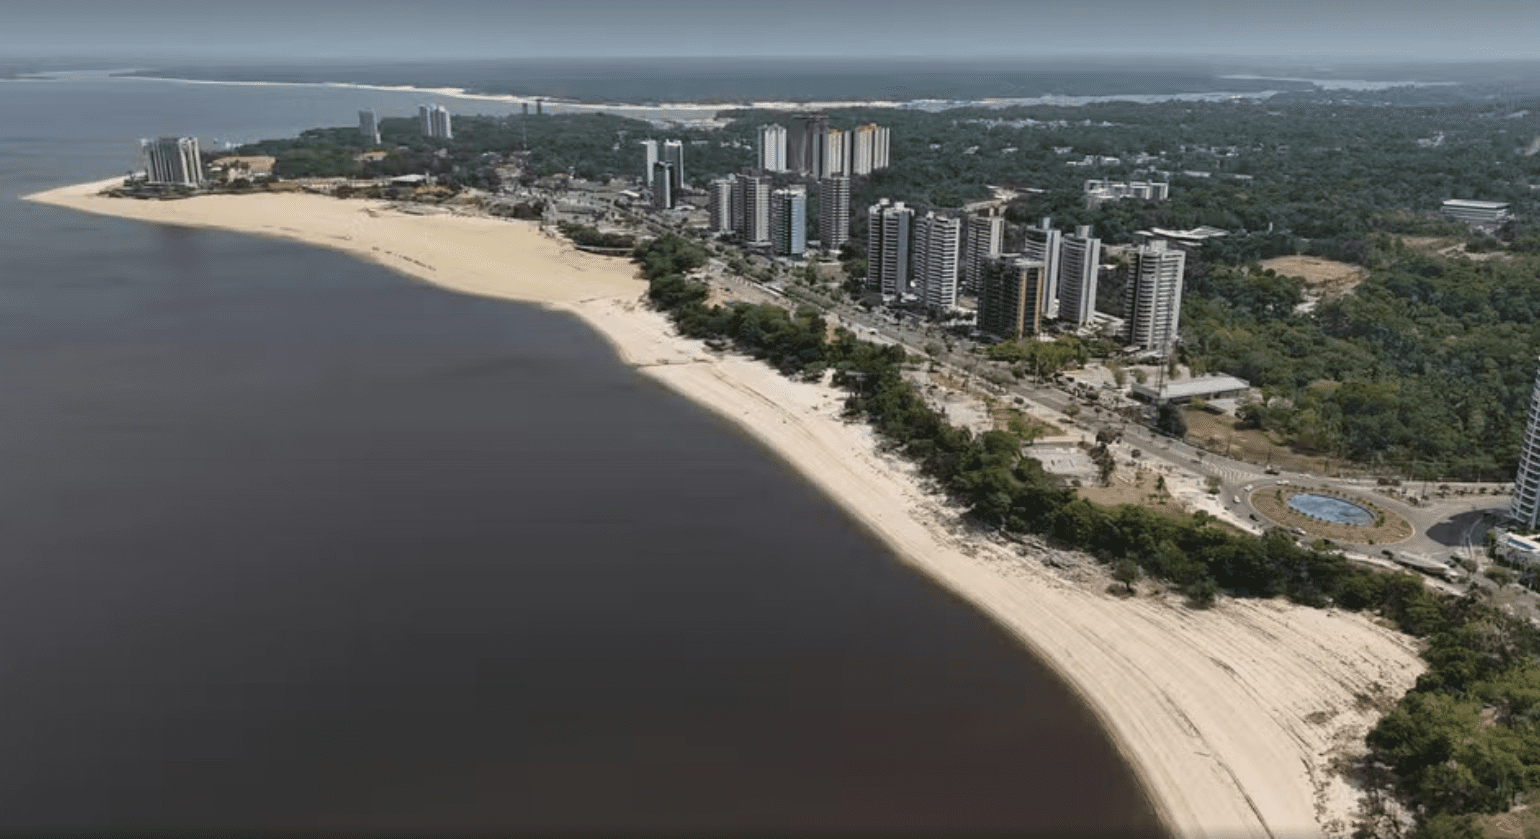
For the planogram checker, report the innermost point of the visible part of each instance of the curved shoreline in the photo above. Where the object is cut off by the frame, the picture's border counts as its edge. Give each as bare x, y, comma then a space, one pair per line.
1231, 718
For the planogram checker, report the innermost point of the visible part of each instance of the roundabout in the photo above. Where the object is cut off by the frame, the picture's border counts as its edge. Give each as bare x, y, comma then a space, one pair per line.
1331, 514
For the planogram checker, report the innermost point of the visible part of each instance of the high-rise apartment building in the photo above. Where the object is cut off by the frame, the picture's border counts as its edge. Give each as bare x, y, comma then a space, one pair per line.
673, 155
1080, 259
755, 190
805, 143
772, 148
937, 240
369, 127
833, 161
788, 220
868, 149
650, 149
1011, 300
834, 212
1524, 510
887, 247
720, 205
172, 160
983, 239
1152, 303
1042, 244
662, 186
434, 120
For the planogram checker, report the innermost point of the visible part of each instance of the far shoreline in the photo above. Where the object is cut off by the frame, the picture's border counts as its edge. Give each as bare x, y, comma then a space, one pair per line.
1209, 709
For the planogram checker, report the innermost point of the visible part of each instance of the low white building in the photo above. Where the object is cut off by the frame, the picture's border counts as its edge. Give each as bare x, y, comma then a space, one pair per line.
1203, 387
1476, 212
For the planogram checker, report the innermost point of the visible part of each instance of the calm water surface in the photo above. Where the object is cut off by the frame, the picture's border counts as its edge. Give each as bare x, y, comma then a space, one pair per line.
287, 540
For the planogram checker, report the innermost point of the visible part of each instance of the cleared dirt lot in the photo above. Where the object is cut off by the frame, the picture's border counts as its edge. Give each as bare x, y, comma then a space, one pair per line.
1327, 278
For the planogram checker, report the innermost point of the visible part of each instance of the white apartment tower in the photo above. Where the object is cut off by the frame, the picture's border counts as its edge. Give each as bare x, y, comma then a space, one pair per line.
1042, 244
887, 247
833, 161
1152, 304
650, 147
172, 160
673, 155
434, 121
868, 149
834, 212
772, 148
983, 240
1525, 508
937, 240
369, 127
720, 205
1080, 259
755, 190
788, 220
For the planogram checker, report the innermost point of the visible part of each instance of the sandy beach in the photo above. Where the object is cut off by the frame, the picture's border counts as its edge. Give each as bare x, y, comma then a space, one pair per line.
1233, 717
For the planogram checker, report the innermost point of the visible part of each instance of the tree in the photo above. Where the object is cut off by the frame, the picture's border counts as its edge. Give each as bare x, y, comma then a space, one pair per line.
1127, 572
1169, 420
1203, 593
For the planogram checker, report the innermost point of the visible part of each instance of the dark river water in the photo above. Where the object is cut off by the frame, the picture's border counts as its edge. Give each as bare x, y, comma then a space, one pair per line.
290, 541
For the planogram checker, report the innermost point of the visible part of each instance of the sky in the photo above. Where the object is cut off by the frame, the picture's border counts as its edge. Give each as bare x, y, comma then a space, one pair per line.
410, 29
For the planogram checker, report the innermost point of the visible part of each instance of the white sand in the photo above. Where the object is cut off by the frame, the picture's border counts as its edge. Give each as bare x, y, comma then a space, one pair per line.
1209, 707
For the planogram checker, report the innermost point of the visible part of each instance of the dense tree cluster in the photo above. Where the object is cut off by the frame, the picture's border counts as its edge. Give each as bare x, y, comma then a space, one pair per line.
587, 236
1426, 366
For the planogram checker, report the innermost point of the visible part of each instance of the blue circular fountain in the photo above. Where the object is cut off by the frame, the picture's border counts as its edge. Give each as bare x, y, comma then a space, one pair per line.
1330, 509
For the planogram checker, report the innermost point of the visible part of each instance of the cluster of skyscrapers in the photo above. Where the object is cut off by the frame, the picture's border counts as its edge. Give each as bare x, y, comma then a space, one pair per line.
172, 161
748, 205
776, 219
665, 175
434, 120
931, 258
924, 259
814, 149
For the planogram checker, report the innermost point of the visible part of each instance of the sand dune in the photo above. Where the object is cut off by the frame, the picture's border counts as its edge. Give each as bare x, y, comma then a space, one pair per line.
1232, 717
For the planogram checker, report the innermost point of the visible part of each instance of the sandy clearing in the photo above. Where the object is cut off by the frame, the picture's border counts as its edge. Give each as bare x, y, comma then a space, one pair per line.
1211, 708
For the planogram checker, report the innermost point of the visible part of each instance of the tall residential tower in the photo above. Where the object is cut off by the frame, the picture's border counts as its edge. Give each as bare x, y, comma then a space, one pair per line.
772, 148
172, 160
937, 240
1152, 303
650, 150
788, 220
1080, 259
673, 155
369, 127
1525, 507
1011, 300
887, 247
983, 240
434, 120
834, 212
1042, 244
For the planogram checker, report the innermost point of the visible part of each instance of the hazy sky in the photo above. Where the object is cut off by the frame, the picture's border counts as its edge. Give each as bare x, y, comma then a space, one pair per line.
1391, 29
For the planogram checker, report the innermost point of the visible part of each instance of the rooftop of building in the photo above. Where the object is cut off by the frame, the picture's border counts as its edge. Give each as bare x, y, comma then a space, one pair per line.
1195, 234
1191, 388
1475, 205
